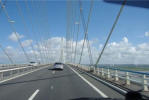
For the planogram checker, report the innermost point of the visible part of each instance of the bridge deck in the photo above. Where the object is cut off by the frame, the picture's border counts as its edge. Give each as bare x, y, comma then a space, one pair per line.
47, 84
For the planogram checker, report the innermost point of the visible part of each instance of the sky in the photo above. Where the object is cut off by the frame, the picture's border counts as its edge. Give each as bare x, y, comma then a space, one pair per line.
46, 22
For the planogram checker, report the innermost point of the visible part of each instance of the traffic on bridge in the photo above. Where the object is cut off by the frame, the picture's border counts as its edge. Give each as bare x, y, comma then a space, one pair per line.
74, 50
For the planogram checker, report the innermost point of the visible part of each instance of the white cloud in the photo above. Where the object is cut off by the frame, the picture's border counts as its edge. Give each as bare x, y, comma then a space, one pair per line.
9, 47
13, 36
125, 39
33, 52
10, 50
27, 43
122, 52
147, 34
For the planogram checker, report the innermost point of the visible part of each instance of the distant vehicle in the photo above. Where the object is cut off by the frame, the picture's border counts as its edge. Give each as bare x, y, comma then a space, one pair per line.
59, 66
33, 64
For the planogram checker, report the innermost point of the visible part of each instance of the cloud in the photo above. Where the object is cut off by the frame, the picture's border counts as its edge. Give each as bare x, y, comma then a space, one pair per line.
27, 43
9, 47
10, 50
122, 52
125, 39
13, 36
147, 34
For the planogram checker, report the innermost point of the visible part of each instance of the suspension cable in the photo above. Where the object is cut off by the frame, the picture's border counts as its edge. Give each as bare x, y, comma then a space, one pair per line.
43, 45
48, 34
71, 31
68, 29
111, 31
47, 49
78, 30
14, 30
36, 42
61, 52
89, 51
4, 3
74, 30
86, 28
25, 26
9, 58
88, 44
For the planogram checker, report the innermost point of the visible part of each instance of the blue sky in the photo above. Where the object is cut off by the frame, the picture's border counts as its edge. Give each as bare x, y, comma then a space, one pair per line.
49, 20
50, 17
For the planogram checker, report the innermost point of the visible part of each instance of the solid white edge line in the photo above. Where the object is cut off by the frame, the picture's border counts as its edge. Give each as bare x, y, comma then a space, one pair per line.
90, 84
21, 75
33, 95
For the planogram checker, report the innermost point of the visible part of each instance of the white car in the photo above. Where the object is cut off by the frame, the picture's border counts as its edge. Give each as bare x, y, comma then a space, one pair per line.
59, 66
33, 64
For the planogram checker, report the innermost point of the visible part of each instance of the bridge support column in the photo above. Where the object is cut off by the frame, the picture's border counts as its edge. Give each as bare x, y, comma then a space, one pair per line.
98, 71
17, 71
108, 76
78, 66
94, 70
1, 76
11, 73
116, 75
88, 68
102, 72
127, 78
145, 86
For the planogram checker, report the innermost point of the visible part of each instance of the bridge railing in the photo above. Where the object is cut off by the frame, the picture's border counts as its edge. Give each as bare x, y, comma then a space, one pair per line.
7, 66
129, 77
8, 73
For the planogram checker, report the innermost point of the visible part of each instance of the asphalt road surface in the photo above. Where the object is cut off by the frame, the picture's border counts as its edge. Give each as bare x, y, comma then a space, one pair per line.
47, 84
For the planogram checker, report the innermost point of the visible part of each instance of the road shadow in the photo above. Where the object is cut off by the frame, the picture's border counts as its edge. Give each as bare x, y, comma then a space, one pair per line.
93, 98
55, 69
39, 79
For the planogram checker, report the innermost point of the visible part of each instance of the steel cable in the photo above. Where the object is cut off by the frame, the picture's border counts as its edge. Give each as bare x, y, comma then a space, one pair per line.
85, 26
111, 31
14, 30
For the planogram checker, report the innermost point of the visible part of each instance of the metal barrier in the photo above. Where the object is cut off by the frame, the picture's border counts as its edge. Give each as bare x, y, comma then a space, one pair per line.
8, 66
129, 77
15, 71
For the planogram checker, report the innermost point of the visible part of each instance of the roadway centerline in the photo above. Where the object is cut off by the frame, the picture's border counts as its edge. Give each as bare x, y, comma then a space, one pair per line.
33, 95
90, 84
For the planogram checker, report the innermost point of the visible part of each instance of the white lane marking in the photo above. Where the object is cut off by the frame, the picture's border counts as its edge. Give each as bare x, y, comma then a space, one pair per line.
21, 75
90, 84
33, 95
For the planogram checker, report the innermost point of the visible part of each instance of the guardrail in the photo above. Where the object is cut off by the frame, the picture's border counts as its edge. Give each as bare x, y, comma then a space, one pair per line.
129, 77
7, 66
7, 73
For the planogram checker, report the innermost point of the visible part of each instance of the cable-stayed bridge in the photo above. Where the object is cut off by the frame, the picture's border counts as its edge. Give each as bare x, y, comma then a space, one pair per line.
33, 78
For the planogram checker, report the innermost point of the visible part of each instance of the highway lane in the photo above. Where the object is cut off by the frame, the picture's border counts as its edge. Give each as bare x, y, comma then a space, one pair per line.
47, 84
